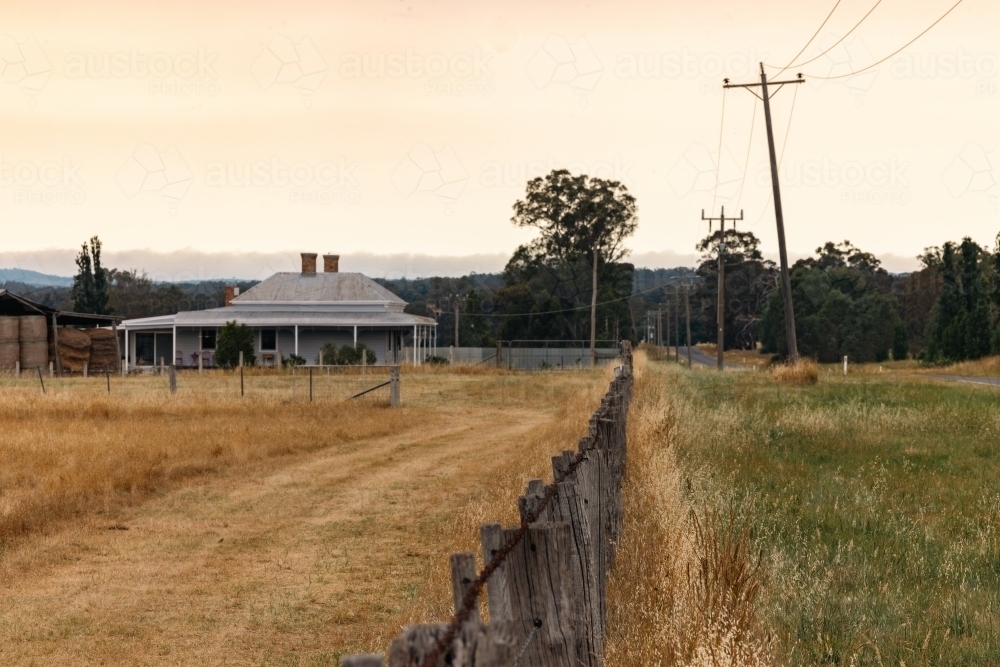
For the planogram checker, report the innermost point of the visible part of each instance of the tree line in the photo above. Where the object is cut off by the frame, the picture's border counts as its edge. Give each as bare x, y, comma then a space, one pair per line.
847, 304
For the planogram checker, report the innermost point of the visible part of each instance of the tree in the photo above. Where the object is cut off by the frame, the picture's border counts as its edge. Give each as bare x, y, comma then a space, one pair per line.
232, 339
749, 280
579, 217
843, 306
900, 342
960, 326
90, 285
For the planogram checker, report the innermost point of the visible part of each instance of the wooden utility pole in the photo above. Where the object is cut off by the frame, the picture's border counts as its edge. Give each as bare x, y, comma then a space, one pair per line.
721, 315
666, 305
786, 282
677, 324
593, 313
456, 321
687, 316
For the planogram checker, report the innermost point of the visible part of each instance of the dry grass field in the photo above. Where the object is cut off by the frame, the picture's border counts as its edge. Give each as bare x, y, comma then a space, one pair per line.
140, 528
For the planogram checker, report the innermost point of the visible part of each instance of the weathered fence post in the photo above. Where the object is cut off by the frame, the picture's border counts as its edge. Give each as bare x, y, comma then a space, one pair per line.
463, 573
566, 505
173, 380
364, 660
542, 595
394, 386
497, 590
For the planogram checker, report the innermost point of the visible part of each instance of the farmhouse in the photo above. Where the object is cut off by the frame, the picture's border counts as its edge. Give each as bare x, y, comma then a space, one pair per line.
290, 313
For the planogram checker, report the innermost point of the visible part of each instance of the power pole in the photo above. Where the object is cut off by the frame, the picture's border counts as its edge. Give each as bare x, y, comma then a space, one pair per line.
677, 324
721, 340
666, 304
593, 313
687, 316
456, 321
786, 282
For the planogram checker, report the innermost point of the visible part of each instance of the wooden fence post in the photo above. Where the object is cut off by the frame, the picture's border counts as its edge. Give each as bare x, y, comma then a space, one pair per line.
172, 373
497, 590
364, 660
463, 573
394, 386
566, 505
540, 582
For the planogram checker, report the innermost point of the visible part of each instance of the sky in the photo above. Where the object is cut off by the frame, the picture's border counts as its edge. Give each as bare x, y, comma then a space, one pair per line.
221, 139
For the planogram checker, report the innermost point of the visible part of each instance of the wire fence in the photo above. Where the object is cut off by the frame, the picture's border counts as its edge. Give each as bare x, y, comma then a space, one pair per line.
533, 355
545, 579
332, 384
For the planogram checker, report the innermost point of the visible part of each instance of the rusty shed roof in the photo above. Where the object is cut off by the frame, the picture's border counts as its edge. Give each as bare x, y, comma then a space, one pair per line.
16, 305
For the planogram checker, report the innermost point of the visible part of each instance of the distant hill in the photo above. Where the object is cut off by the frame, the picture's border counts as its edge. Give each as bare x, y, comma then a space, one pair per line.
28, 277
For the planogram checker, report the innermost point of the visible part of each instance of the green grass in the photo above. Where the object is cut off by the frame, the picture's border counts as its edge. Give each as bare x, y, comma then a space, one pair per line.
875, 502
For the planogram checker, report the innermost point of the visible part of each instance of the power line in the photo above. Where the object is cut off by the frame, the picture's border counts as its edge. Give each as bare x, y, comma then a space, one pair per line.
876, 64
718, 155
806, 45
746, 162
838, 42
566, 310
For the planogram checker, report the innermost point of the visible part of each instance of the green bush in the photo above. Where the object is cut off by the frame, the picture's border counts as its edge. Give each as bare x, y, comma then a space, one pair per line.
346, 355
293, 360
232, 339
436, 361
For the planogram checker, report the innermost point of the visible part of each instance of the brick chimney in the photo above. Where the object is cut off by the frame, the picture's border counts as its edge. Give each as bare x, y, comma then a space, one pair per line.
309, 262
331, 263
231, 292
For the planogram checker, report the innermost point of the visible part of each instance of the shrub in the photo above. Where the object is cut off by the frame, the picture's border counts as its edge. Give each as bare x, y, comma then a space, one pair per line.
436, 360
234, 338
802, 372
347, 355
293, 360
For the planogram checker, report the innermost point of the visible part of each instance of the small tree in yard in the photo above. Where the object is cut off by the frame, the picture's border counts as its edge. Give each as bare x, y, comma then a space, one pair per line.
347, 355
234, 338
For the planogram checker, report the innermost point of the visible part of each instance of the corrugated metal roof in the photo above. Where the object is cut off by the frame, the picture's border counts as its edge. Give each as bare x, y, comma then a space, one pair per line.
318, 287
217, 317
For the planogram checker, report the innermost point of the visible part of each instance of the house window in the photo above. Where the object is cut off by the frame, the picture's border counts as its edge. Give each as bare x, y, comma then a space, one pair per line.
208, 339
268, 339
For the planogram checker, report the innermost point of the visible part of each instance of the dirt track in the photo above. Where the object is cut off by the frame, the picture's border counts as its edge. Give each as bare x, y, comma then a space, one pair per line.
293, 566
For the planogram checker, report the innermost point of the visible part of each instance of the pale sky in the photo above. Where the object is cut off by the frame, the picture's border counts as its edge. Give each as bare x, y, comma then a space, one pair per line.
215, 139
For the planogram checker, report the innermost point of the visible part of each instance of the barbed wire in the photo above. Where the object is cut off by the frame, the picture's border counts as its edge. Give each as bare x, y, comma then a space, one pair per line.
471, 597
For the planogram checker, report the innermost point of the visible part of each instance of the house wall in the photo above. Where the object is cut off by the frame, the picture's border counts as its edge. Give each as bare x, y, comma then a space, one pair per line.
311, 339
187, 343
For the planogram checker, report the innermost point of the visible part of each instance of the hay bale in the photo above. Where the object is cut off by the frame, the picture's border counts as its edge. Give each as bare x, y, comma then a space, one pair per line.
10, 354
32, 329
9, 329
74, 349
34, 355
103, 350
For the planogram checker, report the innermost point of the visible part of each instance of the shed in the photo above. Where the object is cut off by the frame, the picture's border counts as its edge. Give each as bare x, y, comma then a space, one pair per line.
30, 336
